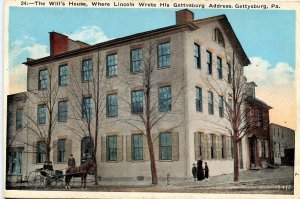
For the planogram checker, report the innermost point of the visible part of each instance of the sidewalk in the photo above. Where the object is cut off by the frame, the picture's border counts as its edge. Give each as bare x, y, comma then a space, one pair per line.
283, 175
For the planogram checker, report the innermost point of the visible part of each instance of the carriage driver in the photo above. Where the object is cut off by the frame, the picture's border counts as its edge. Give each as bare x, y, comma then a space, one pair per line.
48, 167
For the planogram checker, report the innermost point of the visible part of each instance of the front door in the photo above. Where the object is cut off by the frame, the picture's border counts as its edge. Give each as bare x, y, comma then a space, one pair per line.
252, 144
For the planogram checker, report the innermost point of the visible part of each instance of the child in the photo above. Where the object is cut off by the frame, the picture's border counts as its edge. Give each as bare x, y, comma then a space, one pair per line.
194, 172
206, 170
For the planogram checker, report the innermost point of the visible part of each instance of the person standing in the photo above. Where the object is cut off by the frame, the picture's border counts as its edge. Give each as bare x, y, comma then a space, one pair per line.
200, 174
206, 171
194, 172
71, 161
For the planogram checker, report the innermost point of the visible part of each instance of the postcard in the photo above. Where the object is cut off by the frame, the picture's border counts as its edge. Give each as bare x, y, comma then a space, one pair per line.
150, 99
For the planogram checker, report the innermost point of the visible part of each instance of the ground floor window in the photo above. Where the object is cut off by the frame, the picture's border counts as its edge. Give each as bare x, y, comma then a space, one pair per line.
86, 149
165, 146
112, 148
14, 163
41, 152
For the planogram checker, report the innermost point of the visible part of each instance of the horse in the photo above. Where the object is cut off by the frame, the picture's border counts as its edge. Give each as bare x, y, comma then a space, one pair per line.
80, 171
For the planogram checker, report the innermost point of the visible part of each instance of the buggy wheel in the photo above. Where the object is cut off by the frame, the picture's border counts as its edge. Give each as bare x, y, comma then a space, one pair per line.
35, 180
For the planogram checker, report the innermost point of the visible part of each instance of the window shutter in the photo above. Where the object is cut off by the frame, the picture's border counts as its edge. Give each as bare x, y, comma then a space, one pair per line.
196, 145
68, 149
128, 148
103, 149
228, 147
218, 147
34, 151
175, 146
120, 148
267, 149
146, 148
54, 151
208, 144
155, 140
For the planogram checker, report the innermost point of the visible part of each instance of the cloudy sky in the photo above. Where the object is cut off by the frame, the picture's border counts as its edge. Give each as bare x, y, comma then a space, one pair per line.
268, 38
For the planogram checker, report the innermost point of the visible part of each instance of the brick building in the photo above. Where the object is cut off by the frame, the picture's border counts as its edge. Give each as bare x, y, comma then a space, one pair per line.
191, 52
257, 129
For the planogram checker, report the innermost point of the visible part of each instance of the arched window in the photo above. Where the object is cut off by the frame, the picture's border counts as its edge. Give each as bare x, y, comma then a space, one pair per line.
218, 37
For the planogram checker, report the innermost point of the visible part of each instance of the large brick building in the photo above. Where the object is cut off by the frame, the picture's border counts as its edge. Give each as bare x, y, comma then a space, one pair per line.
192, 52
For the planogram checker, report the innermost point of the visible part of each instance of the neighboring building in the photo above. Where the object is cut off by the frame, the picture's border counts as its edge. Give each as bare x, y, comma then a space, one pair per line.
16, 133
257, 129
192, 52
282, 145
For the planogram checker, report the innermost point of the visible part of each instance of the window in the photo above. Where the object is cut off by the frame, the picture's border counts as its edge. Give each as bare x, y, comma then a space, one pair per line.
14, 163
220, 72
209, 62
61, 148
87, 146
87, 108
165, 146
136, 60
197, 56
112, 105
223, 147
111, 65
165, 100
41, 152
42, 114
201, 152
218, 37
19, 119
164, 55
221, 106
112, 148
87, 70
259, 119
198, 99
63, 75
137, 102
43, 80
213, 147
62, 111
229, 73
137, 147
210, 103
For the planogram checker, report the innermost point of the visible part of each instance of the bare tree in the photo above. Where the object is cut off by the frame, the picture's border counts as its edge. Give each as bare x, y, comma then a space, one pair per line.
42, 123
88, 107
233, 91
148, 79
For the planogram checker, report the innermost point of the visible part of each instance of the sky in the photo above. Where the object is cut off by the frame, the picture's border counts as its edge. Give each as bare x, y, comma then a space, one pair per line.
267, 37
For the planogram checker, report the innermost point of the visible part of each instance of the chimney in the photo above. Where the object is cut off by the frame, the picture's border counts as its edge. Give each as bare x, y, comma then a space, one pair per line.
250, 89
184, 16
58, 43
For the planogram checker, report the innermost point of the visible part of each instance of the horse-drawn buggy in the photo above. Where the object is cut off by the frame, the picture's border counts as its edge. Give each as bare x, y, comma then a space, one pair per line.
46, 177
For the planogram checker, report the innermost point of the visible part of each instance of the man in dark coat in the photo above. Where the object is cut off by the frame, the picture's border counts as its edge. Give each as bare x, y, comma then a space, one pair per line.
194, 172
206, 169
200, 174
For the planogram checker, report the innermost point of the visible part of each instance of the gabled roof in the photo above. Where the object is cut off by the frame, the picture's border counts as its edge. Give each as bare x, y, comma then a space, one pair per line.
258, 101
150, 34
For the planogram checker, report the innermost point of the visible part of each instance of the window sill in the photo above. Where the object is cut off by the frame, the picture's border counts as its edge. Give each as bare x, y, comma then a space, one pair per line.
112, 116
134, 73
112, 76
138, 161
61, 163
86, 81
63, 122
163, 67
165, 160
65, 85
111, 161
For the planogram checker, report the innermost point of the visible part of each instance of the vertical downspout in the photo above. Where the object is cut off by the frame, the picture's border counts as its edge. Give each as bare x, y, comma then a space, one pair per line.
186, 146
